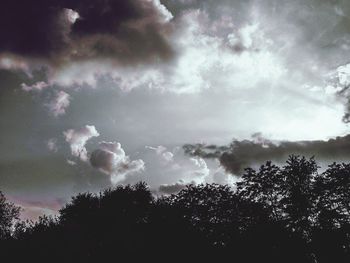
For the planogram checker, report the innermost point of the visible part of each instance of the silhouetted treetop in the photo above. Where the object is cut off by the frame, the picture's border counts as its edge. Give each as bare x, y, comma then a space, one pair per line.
290, 213
8, 214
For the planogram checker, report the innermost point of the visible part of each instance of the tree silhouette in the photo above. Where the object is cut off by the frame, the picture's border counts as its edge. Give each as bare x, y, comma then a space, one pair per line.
289, 213
331, 235
8, 214
297, 202
264, 186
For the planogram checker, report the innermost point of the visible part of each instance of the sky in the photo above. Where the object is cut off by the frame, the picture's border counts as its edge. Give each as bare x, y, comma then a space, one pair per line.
97, 93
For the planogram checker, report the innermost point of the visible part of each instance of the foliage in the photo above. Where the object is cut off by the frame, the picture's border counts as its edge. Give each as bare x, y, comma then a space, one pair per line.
8, 214
290, 213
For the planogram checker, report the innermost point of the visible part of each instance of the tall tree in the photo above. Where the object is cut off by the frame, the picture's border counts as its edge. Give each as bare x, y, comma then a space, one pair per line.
297, 190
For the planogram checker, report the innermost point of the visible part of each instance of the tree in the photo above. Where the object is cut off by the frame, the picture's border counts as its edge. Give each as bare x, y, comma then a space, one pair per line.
275, 214
285, 193
332, 189
297, 190
331, 235
8, 214
263, 186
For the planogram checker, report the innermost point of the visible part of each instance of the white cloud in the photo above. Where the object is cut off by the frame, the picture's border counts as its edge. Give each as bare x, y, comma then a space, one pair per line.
339, 79
70, 162
111, 159
10, 62
78, 138
59, 104
201, 172
37, 86
167, 156
220, 176
71, 15
163, 11
245, 36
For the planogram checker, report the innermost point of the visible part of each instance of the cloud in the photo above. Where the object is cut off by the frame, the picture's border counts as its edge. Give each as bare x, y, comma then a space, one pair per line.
111, 159
220, 176
169, 189
59, 104
242, 154
38, 86
78, 138
167, 156
10, 62
235, 67
202, 170
232, 48
64, 30
339, 84
198, 175
70, 162
52, 145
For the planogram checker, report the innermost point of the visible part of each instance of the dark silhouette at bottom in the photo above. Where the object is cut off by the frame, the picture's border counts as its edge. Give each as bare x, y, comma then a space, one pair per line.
274, 214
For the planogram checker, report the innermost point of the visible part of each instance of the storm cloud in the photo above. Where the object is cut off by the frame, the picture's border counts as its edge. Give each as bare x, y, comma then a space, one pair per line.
242, 154
60, 31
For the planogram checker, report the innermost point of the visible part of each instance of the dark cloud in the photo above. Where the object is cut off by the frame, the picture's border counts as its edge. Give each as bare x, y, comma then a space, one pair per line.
30, 28
204, 151
127, 31
242, 154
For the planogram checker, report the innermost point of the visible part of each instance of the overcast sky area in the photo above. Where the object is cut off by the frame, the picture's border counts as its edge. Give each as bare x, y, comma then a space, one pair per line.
99, 93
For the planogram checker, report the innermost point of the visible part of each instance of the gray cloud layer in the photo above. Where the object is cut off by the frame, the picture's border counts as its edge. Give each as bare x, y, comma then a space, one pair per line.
242, 154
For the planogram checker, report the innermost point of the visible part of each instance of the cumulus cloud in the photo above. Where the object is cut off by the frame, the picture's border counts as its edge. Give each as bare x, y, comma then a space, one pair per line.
59, 104
78, 138
198, 175
201, 171
241, 154
111, 159
167, 156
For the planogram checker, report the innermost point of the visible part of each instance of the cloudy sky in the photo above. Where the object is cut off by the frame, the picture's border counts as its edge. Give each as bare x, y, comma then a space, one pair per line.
97, 93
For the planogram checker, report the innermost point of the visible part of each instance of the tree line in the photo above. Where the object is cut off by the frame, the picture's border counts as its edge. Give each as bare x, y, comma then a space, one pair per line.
289, 213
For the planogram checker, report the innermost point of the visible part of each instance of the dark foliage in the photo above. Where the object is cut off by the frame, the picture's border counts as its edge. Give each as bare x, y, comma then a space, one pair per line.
8, 214
274, 214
